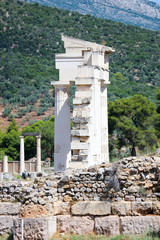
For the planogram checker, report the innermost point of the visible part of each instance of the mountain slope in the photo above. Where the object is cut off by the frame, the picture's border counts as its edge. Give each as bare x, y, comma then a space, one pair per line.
142, 13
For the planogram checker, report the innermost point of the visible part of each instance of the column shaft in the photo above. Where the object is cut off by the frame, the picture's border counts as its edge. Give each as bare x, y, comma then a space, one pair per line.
38, 166
22, 166
104, 126
5, 164
62, 146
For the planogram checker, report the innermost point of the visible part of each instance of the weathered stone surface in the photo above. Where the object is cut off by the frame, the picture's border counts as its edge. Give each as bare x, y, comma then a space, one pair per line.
80, 120
139, 224
34, 228
67, 198
6, 224
107, 225
9, 208
76, 225
129, 198
141, 207
121, 208
65, 179
95, 208
156, 208
61, 208
33, 211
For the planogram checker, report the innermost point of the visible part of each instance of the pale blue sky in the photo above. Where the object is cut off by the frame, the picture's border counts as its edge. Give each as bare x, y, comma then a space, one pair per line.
157, 1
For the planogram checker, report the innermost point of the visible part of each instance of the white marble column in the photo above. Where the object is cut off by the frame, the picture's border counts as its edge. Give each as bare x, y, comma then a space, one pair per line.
5, 164
104, 125
22, 166
95, 123
38, 163
62, 145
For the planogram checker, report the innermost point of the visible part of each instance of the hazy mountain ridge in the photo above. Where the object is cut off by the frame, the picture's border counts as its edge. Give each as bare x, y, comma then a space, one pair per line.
142, 13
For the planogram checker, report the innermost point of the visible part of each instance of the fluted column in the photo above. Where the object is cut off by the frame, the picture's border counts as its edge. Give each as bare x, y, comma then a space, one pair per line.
62, 145
104, 125
38, 164
5, 164
21, 154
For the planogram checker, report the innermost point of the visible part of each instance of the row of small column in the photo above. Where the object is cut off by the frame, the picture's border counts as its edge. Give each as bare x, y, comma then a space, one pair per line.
38, 163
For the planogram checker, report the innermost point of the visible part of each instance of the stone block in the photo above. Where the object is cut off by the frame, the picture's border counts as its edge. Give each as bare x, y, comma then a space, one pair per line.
33, 175
10, 208
121, 208
107, 225
139, 224
141, 208
34, 228
30, 211
83, 152
77, 114
156, 208
77, 101
76, 225
93, 208
75, 139
84, 81
6, 224
79, 132
83, 94
86, 114
80, 120
1, 177
61, 208
79, 145
130, 198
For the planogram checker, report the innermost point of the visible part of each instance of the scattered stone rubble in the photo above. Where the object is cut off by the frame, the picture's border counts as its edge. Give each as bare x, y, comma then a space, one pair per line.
109, 199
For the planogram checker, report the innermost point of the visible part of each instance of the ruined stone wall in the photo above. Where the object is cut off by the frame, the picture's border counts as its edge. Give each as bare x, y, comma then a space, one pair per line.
130, 179
109, 199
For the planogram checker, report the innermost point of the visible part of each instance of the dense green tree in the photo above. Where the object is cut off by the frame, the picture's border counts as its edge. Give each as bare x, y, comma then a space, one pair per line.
12, 126
157, 116
158, 100
10, 142
47, 133
131, 121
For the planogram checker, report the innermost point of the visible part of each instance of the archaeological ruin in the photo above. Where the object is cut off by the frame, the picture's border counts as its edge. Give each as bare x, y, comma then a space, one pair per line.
86, 194
86, 65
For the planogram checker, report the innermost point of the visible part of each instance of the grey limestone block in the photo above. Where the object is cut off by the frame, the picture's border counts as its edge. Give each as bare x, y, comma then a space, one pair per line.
108, 226
77, 225
122, 208
156, 207
142, 208
34, 228
6, 224
93, 208
139, 224
9, 208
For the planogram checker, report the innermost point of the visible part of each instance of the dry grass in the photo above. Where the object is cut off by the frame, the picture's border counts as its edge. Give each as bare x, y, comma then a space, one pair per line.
149, 236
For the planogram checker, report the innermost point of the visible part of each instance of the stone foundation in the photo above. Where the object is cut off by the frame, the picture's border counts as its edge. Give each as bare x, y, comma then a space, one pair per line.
109, 199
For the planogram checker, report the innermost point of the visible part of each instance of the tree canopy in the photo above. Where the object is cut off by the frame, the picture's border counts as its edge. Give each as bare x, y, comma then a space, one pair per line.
131, 122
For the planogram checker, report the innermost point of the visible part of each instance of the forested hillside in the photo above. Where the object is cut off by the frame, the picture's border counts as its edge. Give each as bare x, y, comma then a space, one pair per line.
142, 13
30, 37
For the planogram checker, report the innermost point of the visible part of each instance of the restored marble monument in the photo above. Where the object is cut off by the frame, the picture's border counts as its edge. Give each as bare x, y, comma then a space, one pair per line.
87, 65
